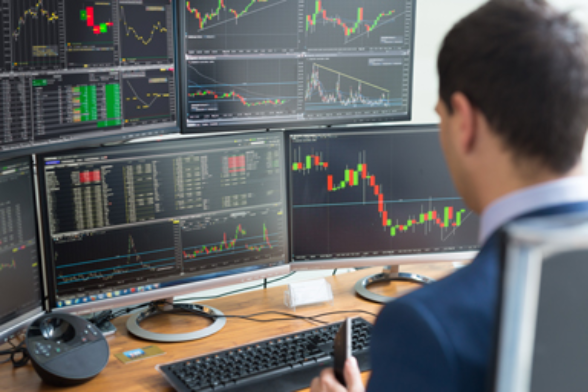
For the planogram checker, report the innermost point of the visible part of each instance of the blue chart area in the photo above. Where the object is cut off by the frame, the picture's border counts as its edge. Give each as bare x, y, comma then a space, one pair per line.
135, 254
241, 88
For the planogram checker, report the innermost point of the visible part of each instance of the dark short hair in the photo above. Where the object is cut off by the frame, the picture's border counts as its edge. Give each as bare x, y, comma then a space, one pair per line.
524, 65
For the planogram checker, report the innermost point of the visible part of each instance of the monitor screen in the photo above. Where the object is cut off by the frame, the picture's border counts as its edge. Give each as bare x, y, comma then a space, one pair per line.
365, 195
295, 63
142, 217
20, 282
79, 69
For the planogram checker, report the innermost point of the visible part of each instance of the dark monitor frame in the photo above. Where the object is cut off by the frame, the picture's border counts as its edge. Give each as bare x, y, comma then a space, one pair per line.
286, 125
395, 260
115, 136
9, 329
225, 278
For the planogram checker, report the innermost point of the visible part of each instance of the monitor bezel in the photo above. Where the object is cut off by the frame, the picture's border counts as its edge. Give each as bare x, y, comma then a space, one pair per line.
172, 290
386, 260
113, 136
286, 125
9, 329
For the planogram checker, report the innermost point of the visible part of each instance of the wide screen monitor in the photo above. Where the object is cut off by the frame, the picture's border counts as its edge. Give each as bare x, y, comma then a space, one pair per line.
274, 64
20, 279
365, 198
71, 70
147, 221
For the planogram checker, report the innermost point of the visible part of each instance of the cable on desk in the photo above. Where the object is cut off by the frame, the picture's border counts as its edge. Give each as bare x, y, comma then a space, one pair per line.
239, 290
289, 316
13, 352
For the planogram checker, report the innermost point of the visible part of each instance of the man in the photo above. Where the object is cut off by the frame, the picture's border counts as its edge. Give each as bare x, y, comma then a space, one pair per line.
514, 113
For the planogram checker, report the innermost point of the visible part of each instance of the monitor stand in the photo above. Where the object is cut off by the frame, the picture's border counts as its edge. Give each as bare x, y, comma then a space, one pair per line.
168, 307
389, 274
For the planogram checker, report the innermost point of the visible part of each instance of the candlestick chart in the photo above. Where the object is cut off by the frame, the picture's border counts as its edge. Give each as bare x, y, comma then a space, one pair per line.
132, 255
375, 194
373, 24
146, 33
35, 34
354, 85
242, 88
241, 24
90, 33
232, 239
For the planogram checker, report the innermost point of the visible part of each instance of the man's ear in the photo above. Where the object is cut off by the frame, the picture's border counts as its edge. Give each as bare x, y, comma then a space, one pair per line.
465, 122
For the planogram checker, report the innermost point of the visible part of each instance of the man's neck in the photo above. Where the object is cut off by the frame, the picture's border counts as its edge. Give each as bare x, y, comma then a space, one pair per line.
499, 186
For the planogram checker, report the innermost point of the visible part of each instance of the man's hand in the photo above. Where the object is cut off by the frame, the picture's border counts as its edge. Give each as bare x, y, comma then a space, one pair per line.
328, 383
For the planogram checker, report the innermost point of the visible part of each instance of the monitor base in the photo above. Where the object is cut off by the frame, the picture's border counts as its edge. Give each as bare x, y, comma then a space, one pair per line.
157, 308
389, 274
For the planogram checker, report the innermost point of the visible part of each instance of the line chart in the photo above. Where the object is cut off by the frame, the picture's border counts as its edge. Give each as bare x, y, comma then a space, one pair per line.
242, 87
35, 12
355, 97
146, 36
129, 30
353, 85
372, 195
133, 253
147, 97
35, 34
241, 24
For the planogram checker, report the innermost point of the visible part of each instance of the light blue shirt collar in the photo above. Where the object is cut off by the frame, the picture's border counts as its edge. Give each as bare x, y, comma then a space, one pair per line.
513, 205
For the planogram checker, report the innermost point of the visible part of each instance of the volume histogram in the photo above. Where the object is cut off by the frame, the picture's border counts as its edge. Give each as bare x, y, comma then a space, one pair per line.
373, 24
253, 88
218, 25
146, 32
134, 254
232, 239
35, 34
358, 201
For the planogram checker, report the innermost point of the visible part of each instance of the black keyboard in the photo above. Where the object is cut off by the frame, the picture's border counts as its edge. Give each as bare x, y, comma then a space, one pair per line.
282, 364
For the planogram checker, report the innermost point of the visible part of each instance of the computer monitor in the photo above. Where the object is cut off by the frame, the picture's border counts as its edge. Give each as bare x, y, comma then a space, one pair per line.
20, 278
74, 70
296, 63
146, 221
368, 198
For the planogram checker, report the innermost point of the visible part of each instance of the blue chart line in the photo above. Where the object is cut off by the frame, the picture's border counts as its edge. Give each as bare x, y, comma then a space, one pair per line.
374, 202
114, 258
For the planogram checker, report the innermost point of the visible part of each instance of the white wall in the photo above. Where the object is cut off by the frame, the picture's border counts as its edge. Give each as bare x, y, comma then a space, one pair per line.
434, 19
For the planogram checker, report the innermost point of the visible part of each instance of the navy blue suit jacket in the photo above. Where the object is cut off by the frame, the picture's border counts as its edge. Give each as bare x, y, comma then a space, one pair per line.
440, 338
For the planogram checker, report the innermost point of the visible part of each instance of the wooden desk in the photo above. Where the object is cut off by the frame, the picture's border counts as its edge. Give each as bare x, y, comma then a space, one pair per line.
142, 376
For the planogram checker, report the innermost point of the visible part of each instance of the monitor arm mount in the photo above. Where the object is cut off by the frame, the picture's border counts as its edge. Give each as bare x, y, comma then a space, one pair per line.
389, 274
168, 306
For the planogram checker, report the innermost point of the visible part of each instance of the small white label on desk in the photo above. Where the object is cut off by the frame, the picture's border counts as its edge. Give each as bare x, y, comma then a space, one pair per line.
311, 292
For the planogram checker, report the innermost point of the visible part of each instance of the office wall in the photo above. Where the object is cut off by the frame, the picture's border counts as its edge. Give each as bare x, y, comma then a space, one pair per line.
434, 19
